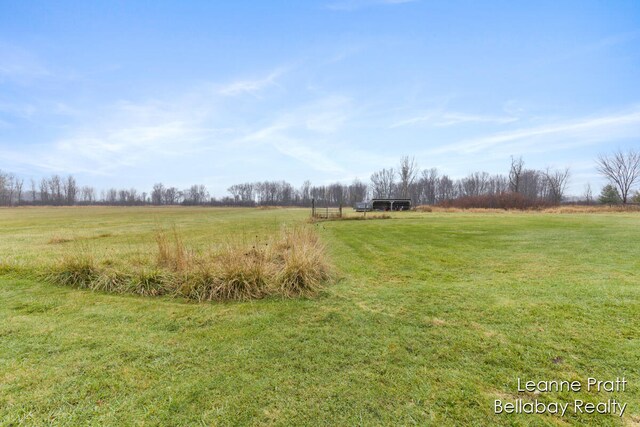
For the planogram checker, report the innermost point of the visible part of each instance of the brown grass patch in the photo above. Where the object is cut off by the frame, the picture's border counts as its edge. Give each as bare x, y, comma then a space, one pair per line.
290, 264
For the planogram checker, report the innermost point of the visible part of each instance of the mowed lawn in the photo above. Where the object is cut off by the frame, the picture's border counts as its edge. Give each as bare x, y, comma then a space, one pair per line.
434, 316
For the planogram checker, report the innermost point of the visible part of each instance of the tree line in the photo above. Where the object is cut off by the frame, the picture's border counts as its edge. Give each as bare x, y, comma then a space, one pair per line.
406, 180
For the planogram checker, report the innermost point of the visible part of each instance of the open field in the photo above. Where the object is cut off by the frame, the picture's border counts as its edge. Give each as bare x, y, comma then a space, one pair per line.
434, 317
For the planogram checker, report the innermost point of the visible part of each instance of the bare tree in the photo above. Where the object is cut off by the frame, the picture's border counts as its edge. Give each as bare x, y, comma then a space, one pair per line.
87, 194
357, 192
515, 174
33, 190
55, 187
475, 184
588, 193
111, 196
622, 169
407, 172
157, 194
556, 182
19, 183
383, 183
70, 189
44, 191
446, 189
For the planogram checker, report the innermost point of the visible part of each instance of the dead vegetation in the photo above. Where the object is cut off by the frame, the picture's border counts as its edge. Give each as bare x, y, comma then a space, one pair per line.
564, 209
290, 264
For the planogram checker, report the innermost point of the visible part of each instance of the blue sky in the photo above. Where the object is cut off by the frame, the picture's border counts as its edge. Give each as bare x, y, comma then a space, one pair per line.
130, 93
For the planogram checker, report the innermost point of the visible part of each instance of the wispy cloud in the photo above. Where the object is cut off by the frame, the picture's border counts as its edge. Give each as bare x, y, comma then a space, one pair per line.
556, 135
440, 118
299, 132
123, 134
251, 87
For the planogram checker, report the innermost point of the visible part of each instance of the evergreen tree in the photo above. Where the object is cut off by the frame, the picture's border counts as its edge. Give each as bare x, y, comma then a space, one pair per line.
609, 195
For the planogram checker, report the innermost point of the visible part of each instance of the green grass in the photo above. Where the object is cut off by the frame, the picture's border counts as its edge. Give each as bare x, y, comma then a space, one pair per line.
436, 315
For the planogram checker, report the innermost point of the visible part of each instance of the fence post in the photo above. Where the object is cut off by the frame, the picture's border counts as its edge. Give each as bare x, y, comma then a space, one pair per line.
313, 208
340, 210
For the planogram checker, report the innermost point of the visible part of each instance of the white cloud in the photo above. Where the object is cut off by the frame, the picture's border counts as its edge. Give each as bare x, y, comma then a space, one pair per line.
251, 87
557, 135
299, 132
439, 118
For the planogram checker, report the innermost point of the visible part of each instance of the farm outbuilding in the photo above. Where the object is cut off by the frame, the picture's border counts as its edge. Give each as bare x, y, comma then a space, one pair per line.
384, 205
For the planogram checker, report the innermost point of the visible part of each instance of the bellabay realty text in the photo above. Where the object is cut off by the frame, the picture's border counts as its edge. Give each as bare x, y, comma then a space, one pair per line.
609, 406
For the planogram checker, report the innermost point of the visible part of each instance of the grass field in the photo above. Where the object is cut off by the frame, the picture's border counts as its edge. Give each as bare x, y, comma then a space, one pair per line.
434, 317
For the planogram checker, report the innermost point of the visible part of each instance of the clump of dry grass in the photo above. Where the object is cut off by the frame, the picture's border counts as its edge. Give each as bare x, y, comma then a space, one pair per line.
290, 264
172, 254
304, 268
77, 269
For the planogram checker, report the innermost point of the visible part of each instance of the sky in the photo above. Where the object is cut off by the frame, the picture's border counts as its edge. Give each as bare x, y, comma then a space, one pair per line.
127, 94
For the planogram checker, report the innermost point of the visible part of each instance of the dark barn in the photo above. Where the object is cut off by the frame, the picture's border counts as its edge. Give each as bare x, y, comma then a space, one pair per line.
384, 205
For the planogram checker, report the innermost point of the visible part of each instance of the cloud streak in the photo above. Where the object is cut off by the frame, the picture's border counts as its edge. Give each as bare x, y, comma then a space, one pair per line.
439, 118
251, 87
557, 135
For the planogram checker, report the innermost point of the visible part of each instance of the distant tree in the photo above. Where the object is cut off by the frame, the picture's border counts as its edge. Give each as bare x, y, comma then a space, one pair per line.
111, 197
407, 171
19, 183
44, 191
55, 187
357, 192
428, 186
474, 185
171, 196
383, 183
87, 194
305, 193
588, 194
556, 184
609, 195
515, 174
33, 190
157, 194
446, 189
70, 189
636, 197
621, 169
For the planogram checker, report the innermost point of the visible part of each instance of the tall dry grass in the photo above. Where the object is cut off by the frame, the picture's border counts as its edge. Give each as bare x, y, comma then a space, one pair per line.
290, 264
